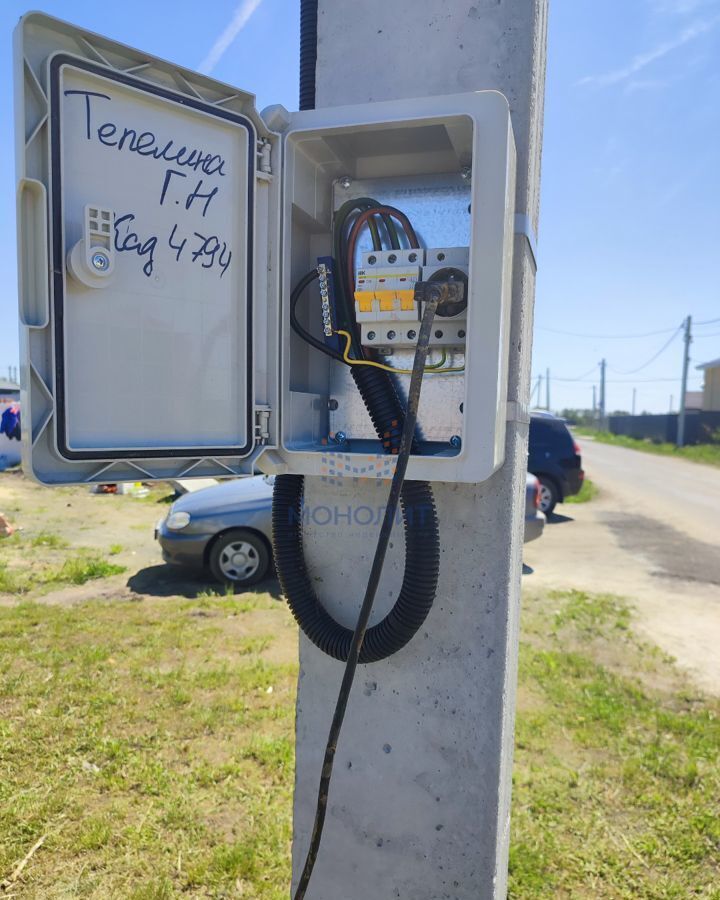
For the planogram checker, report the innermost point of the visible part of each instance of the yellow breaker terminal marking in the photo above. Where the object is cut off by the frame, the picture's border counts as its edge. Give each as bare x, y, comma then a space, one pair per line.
389, 299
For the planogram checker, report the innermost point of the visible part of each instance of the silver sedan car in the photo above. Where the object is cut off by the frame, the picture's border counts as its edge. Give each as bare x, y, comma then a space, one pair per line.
227, 528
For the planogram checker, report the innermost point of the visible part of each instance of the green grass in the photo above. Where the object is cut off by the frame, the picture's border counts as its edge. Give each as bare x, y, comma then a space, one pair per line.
709, 454
616, 780
143, 740
588, 491
48, 539
86, 566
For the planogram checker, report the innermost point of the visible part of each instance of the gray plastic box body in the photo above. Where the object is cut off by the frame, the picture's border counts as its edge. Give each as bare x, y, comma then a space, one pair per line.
162, 223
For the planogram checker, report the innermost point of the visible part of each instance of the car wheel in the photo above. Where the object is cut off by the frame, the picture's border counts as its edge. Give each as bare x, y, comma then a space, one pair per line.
239, 558
548, 495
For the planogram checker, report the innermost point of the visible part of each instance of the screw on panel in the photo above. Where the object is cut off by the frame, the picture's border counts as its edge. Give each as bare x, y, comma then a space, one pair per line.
456, 441
339, 437
345, 181
333, 404
100, 262
466, 173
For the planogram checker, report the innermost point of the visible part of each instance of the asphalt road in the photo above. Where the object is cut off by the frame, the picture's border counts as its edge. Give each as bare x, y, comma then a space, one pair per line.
653, 536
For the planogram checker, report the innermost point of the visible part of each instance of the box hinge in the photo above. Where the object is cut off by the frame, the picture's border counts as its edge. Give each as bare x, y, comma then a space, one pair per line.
262, 424
263, 157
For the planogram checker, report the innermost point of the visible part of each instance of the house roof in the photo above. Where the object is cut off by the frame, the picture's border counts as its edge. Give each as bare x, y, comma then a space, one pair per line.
714, 364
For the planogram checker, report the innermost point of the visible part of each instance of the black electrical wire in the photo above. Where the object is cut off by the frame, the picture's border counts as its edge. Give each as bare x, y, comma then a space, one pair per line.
350, 210
652, 358
305, 282
358, 637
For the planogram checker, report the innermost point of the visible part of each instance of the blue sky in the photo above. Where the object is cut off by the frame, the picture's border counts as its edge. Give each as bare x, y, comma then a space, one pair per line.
631, 174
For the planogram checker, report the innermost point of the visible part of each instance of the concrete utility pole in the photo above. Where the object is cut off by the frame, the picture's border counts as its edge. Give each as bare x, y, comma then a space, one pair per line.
420, 801
547, 390
594, 406
687, 339
603, 366
539, 392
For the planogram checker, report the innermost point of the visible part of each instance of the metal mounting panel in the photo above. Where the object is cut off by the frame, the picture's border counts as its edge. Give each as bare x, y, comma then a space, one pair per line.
137, 219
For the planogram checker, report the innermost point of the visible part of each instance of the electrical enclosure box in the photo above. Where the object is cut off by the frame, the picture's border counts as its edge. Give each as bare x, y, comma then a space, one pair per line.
162, 224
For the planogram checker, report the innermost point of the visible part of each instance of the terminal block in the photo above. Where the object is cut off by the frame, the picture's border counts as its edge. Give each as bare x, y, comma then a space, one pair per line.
326, 279
386, 307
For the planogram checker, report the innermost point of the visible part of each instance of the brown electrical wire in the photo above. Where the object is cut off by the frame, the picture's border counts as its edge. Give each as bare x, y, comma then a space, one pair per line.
355, 231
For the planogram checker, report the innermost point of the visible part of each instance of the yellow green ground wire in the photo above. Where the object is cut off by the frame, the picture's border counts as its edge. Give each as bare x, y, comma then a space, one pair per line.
435, 369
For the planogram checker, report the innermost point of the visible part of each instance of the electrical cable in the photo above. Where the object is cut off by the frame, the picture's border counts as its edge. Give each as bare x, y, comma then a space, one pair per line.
652, 358
305, 282
434, 369
608, 337
369, 209
355, 231
358, 638
707, 322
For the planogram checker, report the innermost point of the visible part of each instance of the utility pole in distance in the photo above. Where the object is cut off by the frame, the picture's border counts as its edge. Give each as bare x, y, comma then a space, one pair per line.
547, 390
687, 340
602, 389
594, 406
634, 398
421, 792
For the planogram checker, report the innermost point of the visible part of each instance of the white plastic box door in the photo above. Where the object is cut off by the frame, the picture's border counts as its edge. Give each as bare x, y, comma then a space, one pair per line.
140, 349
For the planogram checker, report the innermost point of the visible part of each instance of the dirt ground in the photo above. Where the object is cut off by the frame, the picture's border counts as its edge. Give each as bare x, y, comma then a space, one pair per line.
113, 526
638, 540
669, 575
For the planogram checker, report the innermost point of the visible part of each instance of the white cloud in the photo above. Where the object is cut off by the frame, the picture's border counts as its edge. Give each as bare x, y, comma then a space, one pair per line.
646, 84
642, 60
240, 18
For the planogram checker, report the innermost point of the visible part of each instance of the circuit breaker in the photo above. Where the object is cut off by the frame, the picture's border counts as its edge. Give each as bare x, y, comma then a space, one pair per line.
385, 305
202, 286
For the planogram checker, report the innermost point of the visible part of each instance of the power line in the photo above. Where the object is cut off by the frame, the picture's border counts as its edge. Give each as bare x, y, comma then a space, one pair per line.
609, 337
652, 358
621, 380
707, 322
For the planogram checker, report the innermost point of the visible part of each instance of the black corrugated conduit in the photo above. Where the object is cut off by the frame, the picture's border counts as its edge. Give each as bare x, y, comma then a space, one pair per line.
422, 544
308, 52
422, 563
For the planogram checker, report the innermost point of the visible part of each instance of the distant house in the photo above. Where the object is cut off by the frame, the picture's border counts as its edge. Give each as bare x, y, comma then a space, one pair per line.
711, 388
694, 401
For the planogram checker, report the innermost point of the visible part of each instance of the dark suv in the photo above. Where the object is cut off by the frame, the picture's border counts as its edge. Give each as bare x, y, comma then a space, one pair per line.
554, 457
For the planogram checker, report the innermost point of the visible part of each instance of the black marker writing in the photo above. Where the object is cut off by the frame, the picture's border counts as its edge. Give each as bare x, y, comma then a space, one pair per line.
131, 242
168, 175
145, 143
197, 195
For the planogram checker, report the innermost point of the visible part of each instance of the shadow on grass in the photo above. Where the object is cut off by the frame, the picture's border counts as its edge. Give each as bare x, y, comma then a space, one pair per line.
172, 581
